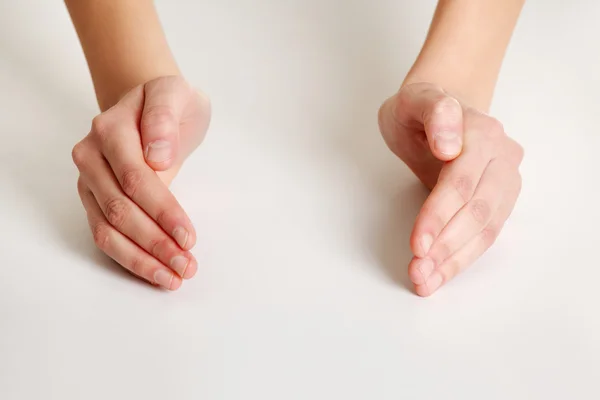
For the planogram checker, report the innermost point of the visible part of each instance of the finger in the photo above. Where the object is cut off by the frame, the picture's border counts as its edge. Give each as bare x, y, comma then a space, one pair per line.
124, 251
425, 106
419, 269
130, 220
139, 182
456, 183
468, 254
471, 219
164, 104
89, 204
476, 214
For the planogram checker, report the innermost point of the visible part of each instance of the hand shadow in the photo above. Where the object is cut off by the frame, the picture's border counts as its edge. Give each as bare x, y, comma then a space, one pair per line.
367, 76
392, 238
44, 123
397, 196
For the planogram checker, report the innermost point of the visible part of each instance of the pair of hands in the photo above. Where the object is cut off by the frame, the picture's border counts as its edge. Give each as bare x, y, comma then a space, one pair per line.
135, 149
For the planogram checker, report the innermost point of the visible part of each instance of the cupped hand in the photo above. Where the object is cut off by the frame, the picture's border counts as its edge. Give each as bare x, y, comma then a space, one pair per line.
471, 167
126, 162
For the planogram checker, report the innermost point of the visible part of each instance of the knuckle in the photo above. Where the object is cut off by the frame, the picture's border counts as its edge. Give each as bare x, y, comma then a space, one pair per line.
101, 235
446, 104
404, 96
136, 266
205, 109
464, 185
516, 152
448, 112
489, 235
156, 246
403, 102
520, 153
78, 154
81, 187
162, 217
131, 179
116, 212
100, 126
160, 118
480, 210
494, 128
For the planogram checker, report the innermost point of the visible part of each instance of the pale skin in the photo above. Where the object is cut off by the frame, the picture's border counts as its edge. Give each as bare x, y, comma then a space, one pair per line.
437, 123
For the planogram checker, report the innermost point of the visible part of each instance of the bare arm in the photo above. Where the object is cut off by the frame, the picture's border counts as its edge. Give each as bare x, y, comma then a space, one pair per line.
151, 120
124, 45
465, 47
436, 126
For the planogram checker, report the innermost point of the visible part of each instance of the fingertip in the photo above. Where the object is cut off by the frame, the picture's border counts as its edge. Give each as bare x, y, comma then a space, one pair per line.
447, 145
159, 155
422, 290
191, 269
183, 265
434, 282
185, 237
176, 283
419, 270
414, 274
160, 167
167, 279
191, 242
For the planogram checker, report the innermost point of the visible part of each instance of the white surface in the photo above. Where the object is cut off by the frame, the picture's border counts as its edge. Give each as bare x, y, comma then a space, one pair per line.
303, 219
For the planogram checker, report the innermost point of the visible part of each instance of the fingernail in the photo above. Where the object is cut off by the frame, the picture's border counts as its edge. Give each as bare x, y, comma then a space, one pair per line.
434, 282
163, 278
426, 242
179, 264
448, 143
426, 267
181, 236
158, 151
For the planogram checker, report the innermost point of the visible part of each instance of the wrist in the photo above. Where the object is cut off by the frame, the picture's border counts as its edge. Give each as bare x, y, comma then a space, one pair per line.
467, 89
465, 47
123, 43
111, 89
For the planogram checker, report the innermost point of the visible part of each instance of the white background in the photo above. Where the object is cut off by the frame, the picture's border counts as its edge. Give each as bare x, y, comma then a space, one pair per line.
303, 218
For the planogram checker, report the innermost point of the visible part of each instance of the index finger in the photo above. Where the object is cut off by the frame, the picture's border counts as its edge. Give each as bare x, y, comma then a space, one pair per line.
457, 182
122, 149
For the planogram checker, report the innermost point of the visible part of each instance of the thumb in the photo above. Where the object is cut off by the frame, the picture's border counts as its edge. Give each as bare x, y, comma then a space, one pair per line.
440, 115
164, 104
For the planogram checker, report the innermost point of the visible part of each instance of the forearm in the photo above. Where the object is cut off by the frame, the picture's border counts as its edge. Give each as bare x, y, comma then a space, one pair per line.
465, 47
124, 45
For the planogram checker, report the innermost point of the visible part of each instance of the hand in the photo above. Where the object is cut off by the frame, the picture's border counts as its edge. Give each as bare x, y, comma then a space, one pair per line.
133, 216
471, 166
